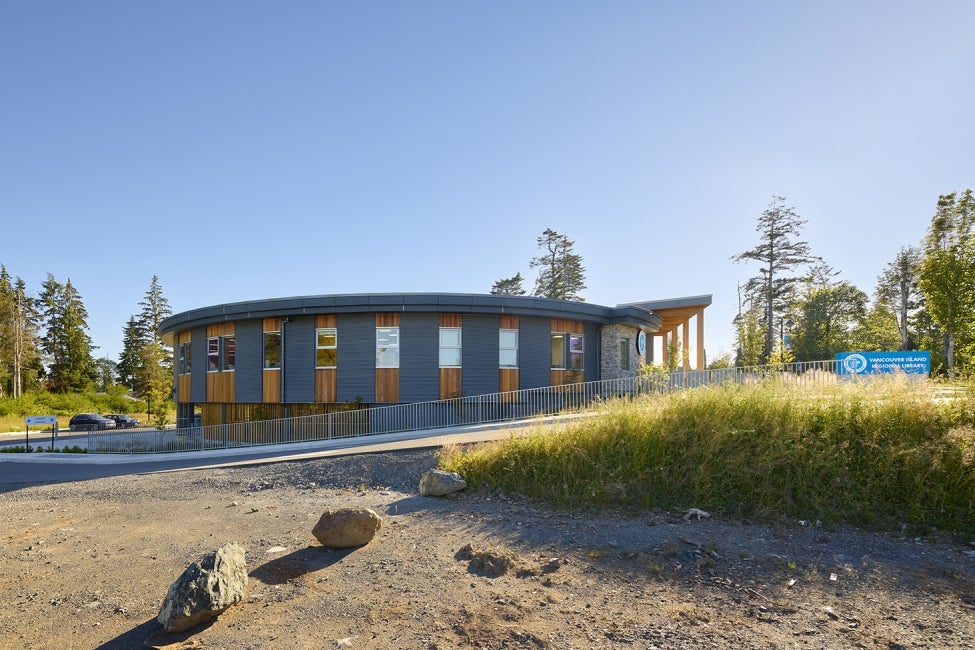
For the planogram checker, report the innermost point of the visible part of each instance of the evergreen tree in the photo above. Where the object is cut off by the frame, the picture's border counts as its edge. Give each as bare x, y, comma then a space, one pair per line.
25, 356
561, 274
947, 272
129, 367
748, 332
897, 291
66, 341
780, 253
155, 381
509, 286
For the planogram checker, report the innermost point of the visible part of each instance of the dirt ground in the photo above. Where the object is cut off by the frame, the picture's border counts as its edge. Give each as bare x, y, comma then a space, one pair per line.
87, 565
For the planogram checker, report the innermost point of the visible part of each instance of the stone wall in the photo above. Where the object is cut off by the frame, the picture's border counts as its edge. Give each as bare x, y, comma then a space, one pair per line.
610, 343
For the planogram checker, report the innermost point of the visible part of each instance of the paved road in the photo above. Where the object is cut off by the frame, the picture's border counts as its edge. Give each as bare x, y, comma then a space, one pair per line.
18, 470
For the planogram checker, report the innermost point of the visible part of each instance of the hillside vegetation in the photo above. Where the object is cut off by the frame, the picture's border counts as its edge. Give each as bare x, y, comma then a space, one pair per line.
883, 454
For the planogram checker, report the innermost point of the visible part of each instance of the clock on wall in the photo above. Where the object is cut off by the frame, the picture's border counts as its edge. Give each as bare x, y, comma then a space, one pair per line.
641, 342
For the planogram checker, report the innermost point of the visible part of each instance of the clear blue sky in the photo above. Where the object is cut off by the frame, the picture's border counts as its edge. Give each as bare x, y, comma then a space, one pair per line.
245, 150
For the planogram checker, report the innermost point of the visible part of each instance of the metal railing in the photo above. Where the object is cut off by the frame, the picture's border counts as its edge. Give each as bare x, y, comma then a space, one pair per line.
459, 411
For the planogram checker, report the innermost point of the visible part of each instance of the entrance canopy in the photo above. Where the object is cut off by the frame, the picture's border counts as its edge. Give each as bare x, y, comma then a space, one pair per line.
676, 314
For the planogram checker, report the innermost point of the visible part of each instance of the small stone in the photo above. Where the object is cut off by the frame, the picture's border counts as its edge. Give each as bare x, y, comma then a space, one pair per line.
438, 483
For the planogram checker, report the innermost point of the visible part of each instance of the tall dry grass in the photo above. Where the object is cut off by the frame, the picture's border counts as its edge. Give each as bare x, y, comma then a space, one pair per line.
882, 454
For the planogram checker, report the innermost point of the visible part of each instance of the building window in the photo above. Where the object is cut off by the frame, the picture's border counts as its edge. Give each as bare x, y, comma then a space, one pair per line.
558, 351
272, 350
184, 359
508, 348
624, 354
221, 353
575, 351
387, 347
450, 348
326, 348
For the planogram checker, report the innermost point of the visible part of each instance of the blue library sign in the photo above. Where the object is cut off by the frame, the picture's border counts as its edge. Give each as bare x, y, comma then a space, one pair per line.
917, 362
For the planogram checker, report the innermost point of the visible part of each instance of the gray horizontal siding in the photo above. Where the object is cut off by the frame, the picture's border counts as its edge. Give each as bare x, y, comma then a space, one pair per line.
356, 357
198, 369
249, 380
591, 352
480, 355
534, 352
419, 361
299, 360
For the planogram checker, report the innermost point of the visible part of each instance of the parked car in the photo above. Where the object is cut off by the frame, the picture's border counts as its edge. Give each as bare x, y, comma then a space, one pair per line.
84, 421
123, 421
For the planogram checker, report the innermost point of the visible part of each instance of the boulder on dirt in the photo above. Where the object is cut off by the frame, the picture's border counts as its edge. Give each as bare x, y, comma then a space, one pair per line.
347, 527
207, 587
438, 483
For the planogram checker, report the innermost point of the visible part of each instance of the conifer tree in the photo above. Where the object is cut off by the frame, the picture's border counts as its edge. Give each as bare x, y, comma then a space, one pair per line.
780, 253
561, 274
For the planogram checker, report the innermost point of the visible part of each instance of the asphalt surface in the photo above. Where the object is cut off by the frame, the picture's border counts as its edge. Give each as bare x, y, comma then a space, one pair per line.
22, 469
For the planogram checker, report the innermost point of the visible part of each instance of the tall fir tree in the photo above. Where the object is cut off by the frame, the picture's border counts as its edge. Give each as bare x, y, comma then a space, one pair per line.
898, 291
780, 252
155, 381
129, 367
561, 274
66, 343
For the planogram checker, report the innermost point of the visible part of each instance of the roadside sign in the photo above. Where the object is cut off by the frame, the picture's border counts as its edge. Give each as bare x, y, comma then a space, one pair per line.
41, 419
916, 362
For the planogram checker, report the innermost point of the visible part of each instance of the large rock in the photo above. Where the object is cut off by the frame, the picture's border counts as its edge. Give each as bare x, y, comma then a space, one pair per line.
347, 527
207, 587
437, 483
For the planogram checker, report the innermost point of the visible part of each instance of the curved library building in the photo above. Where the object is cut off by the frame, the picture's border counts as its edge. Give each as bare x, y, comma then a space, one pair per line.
289, 357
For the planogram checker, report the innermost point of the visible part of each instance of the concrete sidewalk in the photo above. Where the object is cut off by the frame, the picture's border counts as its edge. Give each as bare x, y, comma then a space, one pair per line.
292, 451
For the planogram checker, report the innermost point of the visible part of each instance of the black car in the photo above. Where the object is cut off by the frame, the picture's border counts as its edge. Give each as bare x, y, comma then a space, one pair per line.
85, 421
122, 421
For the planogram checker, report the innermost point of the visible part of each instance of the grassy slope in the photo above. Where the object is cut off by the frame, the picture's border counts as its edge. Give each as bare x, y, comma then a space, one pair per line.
885, 454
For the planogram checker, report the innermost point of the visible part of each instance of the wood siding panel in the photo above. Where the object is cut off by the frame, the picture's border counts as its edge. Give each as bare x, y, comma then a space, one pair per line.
183, 383
325, 320
326, 385
272, 386
570, 326
272, 324
451, 320
387, 384
387, 320
450, 383
220, 329
220, 387
508, 322
508, 379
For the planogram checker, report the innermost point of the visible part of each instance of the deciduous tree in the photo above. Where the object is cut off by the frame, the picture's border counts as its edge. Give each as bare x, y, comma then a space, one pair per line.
947, 271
